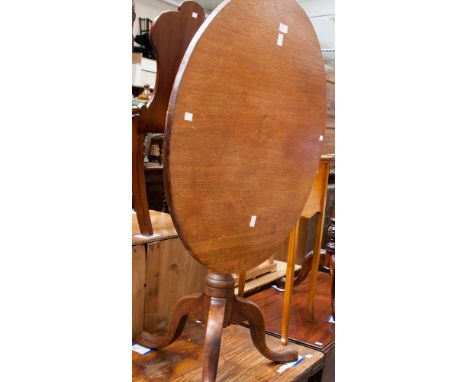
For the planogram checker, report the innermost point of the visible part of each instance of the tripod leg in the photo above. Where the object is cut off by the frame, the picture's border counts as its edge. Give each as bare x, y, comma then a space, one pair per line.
246, 310
184, 306
214, 331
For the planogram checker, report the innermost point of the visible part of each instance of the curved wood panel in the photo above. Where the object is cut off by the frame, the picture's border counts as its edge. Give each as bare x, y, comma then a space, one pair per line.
244, 131
170, 37
317, 196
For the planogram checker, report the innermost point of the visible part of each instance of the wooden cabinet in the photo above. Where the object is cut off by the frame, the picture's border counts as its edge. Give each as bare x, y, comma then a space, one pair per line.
162, 272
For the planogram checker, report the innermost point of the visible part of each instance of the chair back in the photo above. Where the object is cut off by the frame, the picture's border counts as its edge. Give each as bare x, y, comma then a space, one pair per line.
171, 35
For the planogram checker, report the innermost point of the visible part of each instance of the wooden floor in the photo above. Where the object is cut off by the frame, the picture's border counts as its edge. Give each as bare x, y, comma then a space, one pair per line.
238, 361
319, 334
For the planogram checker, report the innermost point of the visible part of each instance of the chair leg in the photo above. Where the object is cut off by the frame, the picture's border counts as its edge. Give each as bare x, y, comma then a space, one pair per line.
241, 285
315, 266
138, 181
289, 284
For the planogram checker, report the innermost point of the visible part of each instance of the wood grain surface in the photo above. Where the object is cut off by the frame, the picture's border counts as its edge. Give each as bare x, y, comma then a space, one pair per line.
244, 132
238, 361
319, 334
162, 228
138, 179
317, 196
138, 289
170, 37
170, 275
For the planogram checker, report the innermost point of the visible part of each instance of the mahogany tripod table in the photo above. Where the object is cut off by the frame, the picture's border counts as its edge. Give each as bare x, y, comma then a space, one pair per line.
243, 138
239, 360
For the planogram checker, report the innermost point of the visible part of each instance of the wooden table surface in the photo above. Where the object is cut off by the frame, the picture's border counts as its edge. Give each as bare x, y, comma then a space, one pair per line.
243, 139
162, 228
238, 361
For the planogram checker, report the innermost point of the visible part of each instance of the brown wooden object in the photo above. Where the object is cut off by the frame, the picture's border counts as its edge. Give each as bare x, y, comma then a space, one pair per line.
243, 138
267, 266
241, 287
170, 275
217, 307
315, 204
319, 334
170, 37
162, 225
138, 179
239, 360
244, 132
323, 175
138, 288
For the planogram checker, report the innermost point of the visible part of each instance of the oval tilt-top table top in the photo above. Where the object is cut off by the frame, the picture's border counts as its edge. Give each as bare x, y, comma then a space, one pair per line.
244, 131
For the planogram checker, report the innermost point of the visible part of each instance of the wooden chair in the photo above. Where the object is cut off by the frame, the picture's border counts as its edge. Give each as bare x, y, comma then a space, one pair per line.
171, 35
315, 204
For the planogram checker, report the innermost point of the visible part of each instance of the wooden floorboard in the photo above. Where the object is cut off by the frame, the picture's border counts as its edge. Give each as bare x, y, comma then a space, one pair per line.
319, 334
239, 360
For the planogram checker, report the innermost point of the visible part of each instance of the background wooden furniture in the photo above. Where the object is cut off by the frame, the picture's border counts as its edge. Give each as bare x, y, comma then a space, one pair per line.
154, 180
157, 265
267, 266
240, 146
315, 204
239, 360
140, 200
170, 37
319, 335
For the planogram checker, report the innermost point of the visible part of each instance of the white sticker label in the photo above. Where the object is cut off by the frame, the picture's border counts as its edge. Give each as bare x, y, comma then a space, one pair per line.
288, 365
280, 39
321, 138
140, 349
188, 117
253, 221
194, 15
147, 237
283, 28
